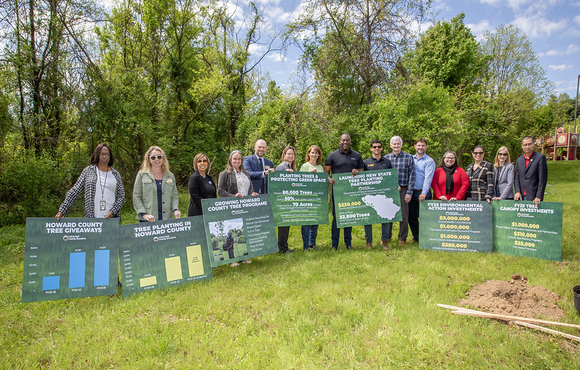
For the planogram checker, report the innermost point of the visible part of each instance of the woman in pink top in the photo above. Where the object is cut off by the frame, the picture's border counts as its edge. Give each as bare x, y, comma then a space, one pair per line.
449, 181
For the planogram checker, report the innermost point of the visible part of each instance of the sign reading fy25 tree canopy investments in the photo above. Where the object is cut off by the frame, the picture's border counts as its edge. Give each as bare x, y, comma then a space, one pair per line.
163, 254
238, 228
299, 198
371, 197
463, 226
70, 258
523, 229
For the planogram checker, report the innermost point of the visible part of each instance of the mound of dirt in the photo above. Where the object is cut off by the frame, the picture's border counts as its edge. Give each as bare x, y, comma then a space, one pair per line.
514, 298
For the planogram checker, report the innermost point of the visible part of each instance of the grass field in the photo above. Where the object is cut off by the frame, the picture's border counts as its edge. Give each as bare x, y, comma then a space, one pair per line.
316, 310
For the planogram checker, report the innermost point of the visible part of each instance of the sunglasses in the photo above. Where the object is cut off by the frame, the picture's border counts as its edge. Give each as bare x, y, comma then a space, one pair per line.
478, 153
154, 157
377, 147
502, 154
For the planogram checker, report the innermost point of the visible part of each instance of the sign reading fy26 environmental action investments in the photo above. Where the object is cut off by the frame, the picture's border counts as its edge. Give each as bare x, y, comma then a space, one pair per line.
70, 258
299, 198
524, 229
239, 228
163, 254
371, 197
464, 226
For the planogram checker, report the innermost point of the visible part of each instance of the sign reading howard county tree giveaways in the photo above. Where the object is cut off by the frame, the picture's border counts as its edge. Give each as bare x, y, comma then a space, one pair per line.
70, 258
299, 198
463, 226
163, 254
371, 197
238, 228
524, 229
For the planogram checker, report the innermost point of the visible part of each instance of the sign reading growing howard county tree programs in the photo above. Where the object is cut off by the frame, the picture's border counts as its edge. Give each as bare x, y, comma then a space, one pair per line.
371, 197
238, 228
299, 198
70, 258
524, 229
464, 226
163, 254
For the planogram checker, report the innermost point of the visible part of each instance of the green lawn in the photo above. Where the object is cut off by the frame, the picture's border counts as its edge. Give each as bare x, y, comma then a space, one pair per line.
336, 310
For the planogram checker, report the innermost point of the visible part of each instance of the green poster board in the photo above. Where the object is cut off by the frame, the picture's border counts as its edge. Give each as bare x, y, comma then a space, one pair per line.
299, 198
369, 198
523, 229
163, 254
70, 258
238, 228
463, 226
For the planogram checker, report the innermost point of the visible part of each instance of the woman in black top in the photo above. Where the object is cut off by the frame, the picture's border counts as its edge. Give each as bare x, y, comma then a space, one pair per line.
200, 184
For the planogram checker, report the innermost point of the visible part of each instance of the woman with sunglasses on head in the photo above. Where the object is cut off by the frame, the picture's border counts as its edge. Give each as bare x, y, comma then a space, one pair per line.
450, 182
481, 177
104, 192
503, 175
155, 194
200, 184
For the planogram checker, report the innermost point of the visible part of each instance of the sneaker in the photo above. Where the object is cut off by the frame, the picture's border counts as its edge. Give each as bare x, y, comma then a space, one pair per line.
246, 261
288, 251
234, 264
313, 248
349, 247
369, 245
402, 242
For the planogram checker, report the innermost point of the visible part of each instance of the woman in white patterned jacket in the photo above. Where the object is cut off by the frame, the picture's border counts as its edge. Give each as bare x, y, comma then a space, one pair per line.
104, 192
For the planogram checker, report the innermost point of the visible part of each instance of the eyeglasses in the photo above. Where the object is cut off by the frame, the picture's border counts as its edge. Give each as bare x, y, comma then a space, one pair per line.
478, 153
377, 147
156, 157
502, 154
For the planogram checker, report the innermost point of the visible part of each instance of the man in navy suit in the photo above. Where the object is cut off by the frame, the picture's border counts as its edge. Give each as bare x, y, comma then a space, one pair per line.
531, 173
258, 167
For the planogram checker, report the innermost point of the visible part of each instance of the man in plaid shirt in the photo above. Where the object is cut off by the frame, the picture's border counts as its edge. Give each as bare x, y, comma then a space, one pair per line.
405, 166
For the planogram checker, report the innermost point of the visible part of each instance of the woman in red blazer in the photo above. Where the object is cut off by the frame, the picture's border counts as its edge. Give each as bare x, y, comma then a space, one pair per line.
449, 181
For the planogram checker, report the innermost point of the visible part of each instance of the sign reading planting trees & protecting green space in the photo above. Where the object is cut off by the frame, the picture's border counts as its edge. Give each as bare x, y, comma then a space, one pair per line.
163, 254
70, 258
239, 228
524, 229
299, 198
463, 226
369, 198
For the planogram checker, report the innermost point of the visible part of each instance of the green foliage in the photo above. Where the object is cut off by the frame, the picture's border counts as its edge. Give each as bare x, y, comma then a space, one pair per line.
422, 110
29, 186
448, 55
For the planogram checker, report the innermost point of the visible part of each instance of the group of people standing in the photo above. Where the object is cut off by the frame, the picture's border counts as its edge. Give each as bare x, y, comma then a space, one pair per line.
155, 193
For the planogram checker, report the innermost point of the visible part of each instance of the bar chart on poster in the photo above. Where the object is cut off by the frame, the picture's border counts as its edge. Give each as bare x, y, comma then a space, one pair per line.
70, 258
163, 254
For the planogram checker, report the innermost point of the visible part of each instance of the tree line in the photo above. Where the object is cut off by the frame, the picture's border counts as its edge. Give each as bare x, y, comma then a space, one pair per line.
181, 74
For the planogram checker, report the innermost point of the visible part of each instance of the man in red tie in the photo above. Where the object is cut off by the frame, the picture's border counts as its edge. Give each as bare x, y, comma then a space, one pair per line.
531, 173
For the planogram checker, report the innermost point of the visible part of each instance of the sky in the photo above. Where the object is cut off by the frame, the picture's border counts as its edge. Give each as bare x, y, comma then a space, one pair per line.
553, 27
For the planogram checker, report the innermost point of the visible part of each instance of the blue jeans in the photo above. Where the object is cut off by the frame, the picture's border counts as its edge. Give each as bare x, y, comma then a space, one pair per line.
309, 233
336, 230
369, 233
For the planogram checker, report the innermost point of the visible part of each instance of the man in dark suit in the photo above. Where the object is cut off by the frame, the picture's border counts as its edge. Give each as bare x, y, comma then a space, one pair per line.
258, 167
531, 173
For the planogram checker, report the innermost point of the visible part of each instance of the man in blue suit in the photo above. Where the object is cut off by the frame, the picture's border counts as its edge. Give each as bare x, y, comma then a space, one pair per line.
258, 167
531, 173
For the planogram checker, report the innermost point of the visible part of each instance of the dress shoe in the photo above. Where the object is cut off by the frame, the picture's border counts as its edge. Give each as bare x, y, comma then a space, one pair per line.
385, 244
